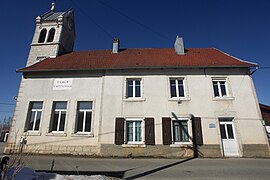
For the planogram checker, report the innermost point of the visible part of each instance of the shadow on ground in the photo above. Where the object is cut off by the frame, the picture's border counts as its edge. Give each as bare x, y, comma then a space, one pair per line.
117, 174
158, 169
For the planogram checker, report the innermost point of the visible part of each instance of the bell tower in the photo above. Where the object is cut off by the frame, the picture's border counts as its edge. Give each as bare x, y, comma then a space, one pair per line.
54, 35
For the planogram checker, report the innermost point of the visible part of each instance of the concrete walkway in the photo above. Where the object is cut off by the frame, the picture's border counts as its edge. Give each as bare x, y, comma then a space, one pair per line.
234, 168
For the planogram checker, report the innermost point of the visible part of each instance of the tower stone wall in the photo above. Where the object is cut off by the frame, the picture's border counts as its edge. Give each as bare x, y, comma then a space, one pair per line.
63, 37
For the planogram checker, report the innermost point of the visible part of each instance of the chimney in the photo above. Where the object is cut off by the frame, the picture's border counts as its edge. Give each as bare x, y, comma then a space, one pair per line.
179, 46
116, 44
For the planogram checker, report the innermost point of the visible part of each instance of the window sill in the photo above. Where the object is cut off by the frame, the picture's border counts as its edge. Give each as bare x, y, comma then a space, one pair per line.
223, 98
182, 145
179, 99
82, 134
133, 145
44, 43
134, 99
56, 134
33, 133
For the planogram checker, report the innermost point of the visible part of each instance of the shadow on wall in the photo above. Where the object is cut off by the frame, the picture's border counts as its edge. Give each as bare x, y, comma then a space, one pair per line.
194, 147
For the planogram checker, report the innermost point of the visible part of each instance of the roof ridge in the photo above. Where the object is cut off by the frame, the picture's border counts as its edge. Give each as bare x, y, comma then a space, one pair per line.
48, 13
65, 12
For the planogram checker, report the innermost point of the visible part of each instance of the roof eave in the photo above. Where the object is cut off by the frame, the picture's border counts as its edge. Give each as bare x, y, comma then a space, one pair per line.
131, 68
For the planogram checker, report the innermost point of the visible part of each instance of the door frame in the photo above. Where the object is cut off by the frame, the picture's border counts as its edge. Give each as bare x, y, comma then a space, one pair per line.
231, 121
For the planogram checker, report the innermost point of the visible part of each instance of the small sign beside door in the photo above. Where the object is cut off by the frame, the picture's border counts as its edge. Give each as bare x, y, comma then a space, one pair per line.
212, 125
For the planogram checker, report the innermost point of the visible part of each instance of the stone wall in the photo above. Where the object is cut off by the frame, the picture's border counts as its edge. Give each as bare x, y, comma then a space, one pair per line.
54, 149
159, 151
255, 150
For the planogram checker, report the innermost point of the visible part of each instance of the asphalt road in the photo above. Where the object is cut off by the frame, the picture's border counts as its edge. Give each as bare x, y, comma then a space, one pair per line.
229, 168
199, 169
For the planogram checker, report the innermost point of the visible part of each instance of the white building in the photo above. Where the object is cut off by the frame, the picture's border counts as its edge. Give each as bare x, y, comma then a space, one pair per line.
134, 102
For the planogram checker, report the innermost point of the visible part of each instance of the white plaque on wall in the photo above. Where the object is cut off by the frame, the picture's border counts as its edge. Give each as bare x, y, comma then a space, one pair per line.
62, 84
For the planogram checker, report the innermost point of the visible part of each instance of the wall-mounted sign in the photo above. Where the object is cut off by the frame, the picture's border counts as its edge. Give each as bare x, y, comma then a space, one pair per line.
212, 125
62, 84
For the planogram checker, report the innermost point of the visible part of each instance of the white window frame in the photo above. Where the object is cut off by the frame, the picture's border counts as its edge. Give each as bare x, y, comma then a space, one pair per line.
134, 134
84, 119
189, 126
35, 118
59, 117
177, 87
218, 80
133, 87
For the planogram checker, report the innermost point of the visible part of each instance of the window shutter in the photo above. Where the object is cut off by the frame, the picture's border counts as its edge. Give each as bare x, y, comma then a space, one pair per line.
166, 131
52, 117
197, 131
28, 117
119, 131
76, 117
149, 131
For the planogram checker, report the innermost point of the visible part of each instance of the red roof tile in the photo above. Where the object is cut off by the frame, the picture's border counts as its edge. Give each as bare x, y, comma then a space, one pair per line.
138, 58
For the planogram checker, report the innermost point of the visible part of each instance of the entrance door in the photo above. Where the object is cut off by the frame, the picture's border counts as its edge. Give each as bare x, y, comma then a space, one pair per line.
229, 142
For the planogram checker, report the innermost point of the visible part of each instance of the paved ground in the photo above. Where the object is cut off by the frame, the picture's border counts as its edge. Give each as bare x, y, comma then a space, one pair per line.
210, 169
234, 168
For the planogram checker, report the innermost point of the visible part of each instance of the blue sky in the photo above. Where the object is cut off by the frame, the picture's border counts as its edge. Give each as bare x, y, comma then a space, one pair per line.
239, 28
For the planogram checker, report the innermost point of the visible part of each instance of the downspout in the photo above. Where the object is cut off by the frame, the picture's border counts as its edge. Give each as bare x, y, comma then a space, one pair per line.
101, 111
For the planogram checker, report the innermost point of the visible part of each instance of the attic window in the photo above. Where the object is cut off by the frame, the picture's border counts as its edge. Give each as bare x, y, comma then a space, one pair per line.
42, 36
51, 35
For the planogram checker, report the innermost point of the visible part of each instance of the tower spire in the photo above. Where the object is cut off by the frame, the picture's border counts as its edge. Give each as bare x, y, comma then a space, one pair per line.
53, 6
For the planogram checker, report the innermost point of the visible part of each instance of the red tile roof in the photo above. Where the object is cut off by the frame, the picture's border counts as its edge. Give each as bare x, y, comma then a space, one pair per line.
138, 58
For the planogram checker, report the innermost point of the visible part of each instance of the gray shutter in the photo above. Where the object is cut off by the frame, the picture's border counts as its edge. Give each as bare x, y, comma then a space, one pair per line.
119, 131
166, 131
76, 117
197, 131
52, 117
149, 131
28, 116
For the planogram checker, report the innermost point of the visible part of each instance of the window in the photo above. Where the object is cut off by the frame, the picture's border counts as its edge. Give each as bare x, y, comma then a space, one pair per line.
133, 88
134, 131
34, 116
51, 35
220, 88
177, 131
177, 88
180, 131
42, 36
84, 117
226, 131
58, 116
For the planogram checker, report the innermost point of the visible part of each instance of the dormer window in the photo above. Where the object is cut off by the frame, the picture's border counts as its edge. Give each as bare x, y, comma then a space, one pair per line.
42, 36
51, 35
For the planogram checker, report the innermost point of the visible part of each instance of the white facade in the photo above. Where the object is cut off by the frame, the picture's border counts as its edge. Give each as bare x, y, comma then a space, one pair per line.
107, 92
